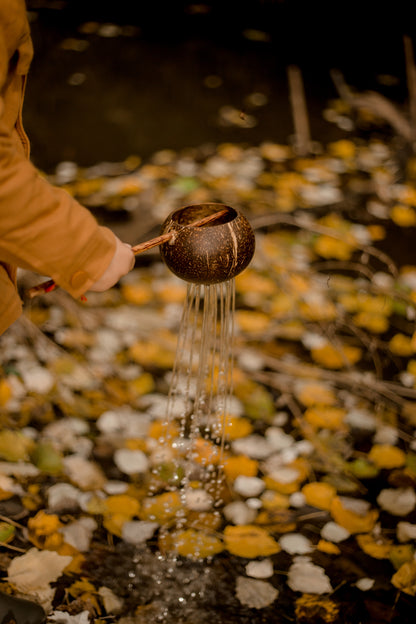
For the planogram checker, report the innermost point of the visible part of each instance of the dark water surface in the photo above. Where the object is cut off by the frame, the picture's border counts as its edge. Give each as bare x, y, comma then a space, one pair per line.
147, 89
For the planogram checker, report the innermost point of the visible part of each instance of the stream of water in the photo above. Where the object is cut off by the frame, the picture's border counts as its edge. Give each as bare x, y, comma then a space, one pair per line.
201, 385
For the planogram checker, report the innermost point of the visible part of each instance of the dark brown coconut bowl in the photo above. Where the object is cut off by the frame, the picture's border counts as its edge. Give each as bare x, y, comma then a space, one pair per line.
212, 253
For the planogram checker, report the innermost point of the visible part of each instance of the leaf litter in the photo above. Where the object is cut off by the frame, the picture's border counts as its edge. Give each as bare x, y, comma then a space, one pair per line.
318, 514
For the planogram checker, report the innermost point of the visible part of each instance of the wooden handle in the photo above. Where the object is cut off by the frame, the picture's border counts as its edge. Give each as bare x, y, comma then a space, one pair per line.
49, 285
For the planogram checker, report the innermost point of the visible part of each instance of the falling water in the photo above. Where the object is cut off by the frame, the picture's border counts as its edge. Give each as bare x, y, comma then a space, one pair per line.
201, 384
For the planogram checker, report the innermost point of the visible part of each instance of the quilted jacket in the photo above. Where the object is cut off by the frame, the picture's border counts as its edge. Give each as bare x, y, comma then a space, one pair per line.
42, 228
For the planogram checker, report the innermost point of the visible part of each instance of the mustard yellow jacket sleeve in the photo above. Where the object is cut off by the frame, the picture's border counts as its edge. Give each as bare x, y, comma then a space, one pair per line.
42, 228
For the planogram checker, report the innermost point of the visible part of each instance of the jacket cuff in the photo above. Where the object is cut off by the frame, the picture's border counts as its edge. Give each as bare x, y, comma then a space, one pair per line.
90, 265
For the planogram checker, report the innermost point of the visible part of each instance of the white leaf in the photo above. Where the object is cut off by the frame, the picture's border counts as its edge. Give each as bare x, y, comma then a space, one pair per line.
131, 461
365, 583
333, 532
86, 474
112, 603
60, 617
260, 569
138, 531
296, 544
32, 572
406, 531
79, 533
308, 578
249, 486
255, 594
398, 502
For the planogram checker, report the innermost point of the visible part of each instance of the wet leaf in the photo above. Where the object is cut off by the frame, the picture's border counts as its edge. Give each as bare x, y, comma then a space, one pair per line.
249, 541
319, 494
359, 521
33, 572
255, 594
386, 456
191, 543
405, 578
306, 577
376, 547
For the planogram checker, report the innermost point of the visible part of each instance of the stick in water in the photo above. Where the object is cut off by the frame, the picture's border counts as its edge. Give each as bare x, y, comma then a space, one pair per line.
50, 285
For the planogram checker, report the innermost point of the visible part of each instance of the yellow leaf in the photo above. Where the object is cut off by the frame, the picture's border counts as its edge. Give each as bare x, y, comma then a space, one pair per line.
240, 465
161, 508
328, 547
401, 345
387, 456
191, 543
377, 548
171, 292
122, 504
402, 215
80, 587
405, 578
138, 293
14, 446
253, 282
333, 357
330, 247
315, 393
158, 429
249, 541
400, 553
152, 354
373, 321
319, 494
325, 417
323, 310
236, 427
251, 321
274, 500
5, 392
143, 384
352, 521
344, 149
43, 531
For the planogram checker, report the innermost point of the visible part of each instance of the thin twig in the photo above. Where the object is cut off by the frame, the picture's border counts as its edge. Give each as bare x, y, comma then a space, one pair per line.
299, 111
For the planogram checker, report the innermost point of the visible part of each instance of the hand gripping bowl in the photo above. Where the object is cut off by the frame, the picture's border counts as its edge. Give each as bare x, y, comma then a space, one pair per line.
212, 253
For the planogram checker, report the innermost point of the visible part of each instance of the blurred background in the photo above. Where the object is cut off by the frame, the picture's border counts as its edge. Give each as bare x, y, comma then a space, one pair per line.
129, 77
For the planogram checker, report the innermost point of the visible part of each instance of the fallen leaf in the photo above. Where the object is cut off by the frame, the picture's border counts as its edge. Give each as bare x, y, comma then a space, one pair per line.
308, 578
254, 593
33, 572
249, 541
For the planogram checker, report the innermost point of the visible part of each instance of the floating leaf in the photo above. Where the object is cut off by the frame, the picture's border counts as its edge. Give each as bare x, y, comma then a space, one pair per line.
191, 543
254, 593
400, 554
161, 508
405, 578
310, 608
306, 577
315, 393
7, 532
378, 548
240, 465
237, 427
249, 541
319, 494
328, 547
387, 456
325, 417
398, 502
402, 215
33, 572
14, 446
354, 521
338, 357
